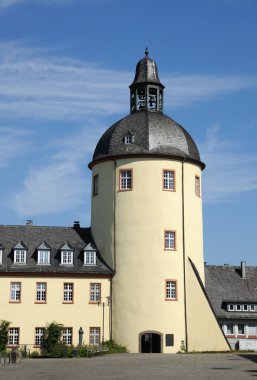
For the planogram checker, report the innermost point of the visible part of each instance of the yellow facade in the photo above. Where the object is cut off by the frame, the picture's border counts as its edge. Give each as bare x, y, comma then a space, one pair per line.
28, 314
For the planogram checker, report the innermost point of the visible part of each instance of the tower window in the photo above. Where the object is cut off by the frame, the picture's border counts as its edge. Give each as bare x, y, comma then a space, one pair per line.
95, 185
169, 180
170, 240
152, 98
129, 139
197, 186
141, 98
125, 180
171, 290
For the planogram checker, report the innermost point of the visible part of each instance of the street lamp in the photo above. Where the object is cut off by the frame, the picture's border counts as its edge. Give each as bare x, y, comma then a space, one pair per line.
103, 305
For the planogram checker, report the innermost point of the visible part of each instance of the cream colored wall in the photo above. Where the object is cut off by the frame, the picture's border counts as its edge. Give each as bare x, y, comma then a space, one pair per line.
27, 315
142, 265
204, 333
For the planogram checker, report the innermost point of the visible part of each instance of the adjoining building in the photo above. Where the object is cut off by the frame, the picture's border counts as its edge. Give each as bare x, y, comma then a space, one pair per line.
146, 234
233, 294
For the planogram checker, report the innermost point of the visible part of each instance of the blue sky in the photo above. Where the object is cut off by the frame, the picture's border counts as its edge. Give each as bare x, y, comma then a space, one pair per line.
65, 68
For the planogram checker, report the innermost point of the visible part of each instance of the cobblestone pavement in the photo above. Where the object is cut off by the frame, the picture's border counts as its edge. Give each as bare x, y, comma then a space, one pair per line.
136, 366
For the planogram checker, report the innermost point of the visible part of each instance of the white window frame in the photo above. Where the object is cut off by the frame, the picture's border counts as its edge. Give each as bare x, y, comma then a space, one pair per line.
238, 307
126, 179
68, 288
13, 336
245, 307
129, 139
171, 290
170, 240
252, 307
233, 329
67, 336
20, 256
15, 292
168, 180
39, 336
41, 292
43, 256
1, 256
94, 335
89, 258
95, 292
240, 324
67, 257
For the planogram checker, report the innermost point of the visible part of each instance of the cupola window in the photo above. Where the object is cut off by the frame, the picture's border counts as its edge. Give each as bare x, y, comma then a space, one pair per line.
141, 98
129, 139
152, 98
125, 180
20, 253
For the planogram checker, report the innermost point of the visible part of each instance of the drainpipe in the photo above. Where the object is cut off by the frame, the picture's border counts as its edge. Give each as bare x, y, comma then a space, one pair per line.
184, 257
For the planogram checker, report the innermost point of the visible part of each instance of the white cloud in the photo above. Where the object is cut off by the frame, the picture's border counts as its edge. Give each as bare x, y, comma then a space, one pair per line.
38, 86
9, 3
13, 142
230, 172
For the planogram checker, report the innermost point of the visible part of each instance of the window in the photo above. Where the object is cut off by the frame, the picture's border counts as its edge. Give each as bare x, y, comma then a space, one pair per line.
39, 336
89, 258
170, 240
125, 179
231, 307
95, 185
67, 257
241, 329
67, 335
238, 307
67, 292
1, 256
171, 290
15, 292
245, 307
230, 329
169, 180
94, 335
13, 336
252, 307
129, 139
197, 186
95, 293
20, 256
252, 329
43, 256
41, 292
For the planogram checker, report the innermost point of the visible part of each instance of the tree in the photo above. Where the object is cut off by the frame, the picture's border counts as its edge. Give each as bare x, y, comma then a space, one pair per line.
52, 343
4, 325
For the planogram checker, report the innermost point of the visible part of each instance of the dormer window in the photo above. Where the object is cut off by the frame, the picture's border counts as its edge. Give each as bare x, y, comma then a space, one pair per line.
89, 255
1, 254
20, 253
129, 139
43, 254
67, 254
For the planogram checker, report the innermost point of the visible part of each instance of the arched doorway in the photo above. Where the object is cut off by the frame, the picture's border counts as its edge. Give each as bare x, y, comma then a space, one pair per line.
150, 342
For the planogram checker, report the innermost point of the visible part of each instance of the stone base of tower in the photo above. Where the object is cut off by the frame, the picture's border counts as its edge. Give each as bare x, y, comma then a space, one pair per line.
203, 330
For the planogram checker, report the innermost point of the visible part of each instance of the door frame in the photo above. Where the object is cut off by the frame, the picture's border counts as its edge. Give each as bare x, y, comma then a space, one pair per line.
150, 332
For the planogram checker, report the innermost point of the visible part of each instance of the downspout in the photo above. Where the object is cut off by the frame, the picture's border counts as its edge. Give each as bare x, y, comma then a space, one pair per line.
184, 257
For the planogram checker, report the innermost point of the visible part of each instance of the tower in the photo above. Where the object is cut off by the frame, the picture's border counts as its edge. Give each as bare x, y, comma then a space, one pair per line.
147, 224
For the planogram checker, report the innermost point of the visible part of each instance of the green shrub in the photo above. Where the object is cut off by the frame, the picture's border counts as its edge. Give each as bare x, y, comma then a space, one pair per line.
114, 347
52, 344
4, 325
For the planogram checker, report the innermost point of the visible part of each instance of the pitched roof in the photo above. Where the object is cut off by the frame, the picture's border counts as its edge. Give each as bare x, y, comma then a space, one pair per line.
55, 238
224, 284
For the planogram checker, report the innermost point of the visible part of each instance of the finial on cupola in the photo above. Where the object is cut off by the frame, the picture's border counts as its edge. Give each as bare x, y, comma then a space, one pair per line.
146, 52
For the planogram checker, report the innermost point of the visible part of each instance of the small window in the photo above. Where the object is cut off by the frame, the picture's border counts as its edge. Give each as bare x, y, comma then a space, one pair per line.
13, 336
197, 186
231, 307
95, 293
241, 329
238, 307
68, 293
252, 307
20, 256
95, 185
41, 292
245, 307
170, 240
1, 256
89, 257
129, 139
39, 336
94, 335
171, 290
43, 256
169, 180
230, 329
15, 295
125, 180
67, 257
252, 329
67, 335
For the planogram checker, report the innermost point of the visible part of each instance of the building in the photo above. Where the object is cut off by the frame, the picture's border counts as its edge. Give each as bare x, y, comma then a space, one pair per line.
233, 294
147, 226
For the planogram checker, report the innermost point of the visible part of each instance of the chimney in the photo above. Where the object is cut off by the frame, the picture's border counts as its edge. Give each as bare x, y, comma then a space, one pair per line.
76, 224
29, 222
243, 269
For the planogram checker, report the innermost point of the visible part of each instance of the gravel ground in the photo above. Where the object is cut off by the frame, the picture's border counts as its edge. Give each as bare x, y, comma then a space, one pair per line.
136, 366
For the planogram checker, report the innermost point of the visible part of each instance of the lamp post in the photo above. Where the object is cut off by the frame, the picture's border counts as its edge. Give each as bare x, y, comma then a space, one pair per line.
103, 306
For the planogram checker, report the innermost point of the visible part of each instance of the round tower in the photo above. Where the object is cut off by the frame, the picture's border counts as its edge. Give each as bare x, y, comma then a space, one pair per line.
147, 218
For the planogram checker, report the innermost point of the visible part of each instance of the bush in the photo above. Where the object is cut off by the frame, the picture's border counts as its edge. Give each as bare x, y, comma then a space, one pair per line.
114, 348
4, 325
52, 344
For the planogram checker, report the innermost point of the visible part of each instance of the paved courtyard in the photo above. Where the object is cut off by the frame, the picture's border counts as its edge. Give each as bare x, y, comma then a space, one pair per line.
137, 366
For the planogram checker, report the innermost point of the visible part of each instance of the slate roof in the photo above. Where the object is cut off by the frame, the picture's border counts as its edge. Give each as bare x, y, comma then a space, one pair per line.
155, 134
146, 71
224, 284
55, 237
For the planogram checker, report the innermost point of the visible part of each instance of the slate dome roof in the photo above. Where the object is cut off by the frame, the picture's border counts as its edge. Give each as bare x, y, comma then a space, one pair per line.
154, 134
